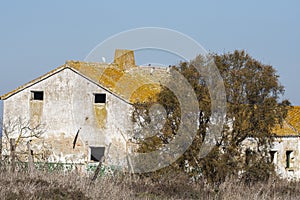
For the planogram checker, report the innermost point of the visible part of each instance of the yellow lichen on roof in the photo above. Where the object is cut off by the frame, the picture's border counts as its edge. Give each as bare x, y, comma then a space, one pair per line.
111, 76
105, 74
135, 84
291, 124
293, 117
124, 59
146, 93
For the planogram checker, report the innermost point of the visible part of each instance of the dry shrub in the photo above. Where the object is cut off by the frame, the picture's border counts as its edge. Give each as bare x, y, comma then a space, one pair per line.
59, 185
274, 188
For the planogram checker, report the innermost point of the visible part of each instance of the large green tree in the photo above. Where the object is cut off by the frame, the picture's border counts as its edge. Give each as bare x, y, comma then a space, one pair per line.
253, 95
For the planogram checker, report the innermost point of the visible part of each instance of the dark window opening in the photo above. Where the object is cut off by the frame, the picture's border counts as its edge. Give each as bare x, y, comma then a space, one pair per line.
97, 153
38, 95
272, 156
100, 98
249, 156
288, 158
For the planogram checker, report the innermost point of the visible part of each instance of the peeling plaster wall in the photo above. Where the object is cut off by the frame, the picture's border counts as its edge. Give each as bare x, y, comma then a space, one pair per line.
281, 146
67, 106
279, 149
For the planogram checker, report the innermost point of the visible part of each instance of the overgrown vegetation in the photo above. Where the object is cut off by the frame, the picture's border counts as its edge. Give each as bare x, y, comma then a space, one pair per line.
58, 185
253, 95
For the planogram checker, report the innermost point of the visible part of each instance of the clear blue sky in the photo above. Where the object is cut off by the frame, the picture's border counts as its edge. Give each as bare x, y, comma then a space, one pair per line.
38, 36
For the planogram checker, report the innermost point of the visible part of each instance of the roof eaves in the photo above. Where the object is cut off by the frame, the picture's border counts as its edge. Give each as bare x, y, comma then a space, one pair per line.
285, 136
26, 85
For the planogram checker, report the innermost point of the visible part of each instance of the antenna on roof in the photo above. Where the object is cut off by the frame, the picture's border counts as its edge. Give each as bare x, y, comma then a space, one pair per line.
103, 59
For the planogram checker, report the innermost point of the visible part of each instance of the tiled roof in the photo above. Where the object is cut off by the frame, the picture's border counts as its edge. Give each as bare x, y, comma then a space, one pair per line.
291, 124
123, 78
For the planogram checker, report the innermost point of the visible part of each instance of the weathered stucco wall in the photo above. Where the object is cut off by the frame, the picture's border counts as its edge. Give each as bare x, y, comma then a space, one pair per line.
286, 149
68, 105
284, 153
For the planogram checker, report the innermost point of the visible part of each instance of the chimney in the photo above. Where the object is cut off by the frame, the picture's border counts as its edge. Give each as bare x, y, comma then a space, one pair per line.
124, 58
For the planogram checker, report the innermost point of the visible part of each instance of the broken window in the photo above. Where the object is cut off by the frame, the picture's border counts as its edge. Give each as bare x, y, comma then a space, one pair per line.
273, 156
100, 98
288, 158
37, 95
97, 153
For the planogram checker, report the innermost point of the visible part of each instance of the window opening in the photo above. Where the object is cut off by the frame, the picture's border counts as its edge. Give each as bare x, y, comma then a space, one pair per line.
273, 156
97, 153
37, 95
288, 159
100, 98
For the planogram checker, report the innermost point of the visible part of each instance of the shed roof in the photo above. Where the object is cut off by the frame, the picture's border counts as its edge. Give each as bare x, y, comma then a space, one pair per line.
291, 124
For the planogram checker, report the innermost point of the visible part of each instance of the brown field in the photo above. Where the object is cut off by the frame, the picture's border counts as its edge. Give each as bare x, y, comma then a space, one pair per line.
57, 185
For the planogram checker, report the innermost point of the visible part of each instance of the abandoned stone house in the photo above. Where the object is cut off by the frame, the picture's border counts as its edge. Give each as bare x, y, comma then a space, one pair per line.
80, 110
285, 149
285, 152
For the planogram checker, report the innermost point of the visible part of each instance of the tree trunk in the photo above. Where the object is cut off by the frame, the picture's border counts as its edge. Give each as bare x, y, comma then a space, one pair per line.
12, 154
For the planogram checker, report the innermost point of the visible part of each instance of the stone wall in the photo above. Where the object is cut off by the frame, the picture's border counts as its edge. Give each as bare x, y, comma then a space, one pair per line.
67, 106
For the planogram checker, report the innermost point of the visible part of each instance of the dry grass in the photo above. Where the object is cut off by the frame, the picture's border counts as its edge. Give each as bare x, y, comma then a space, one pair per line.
56, 185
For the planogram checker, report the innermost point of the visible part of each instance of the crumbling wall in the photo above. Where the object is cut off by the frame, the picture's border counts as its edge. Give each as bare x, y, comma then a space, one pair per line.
68, 106
286, 156
284, 153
